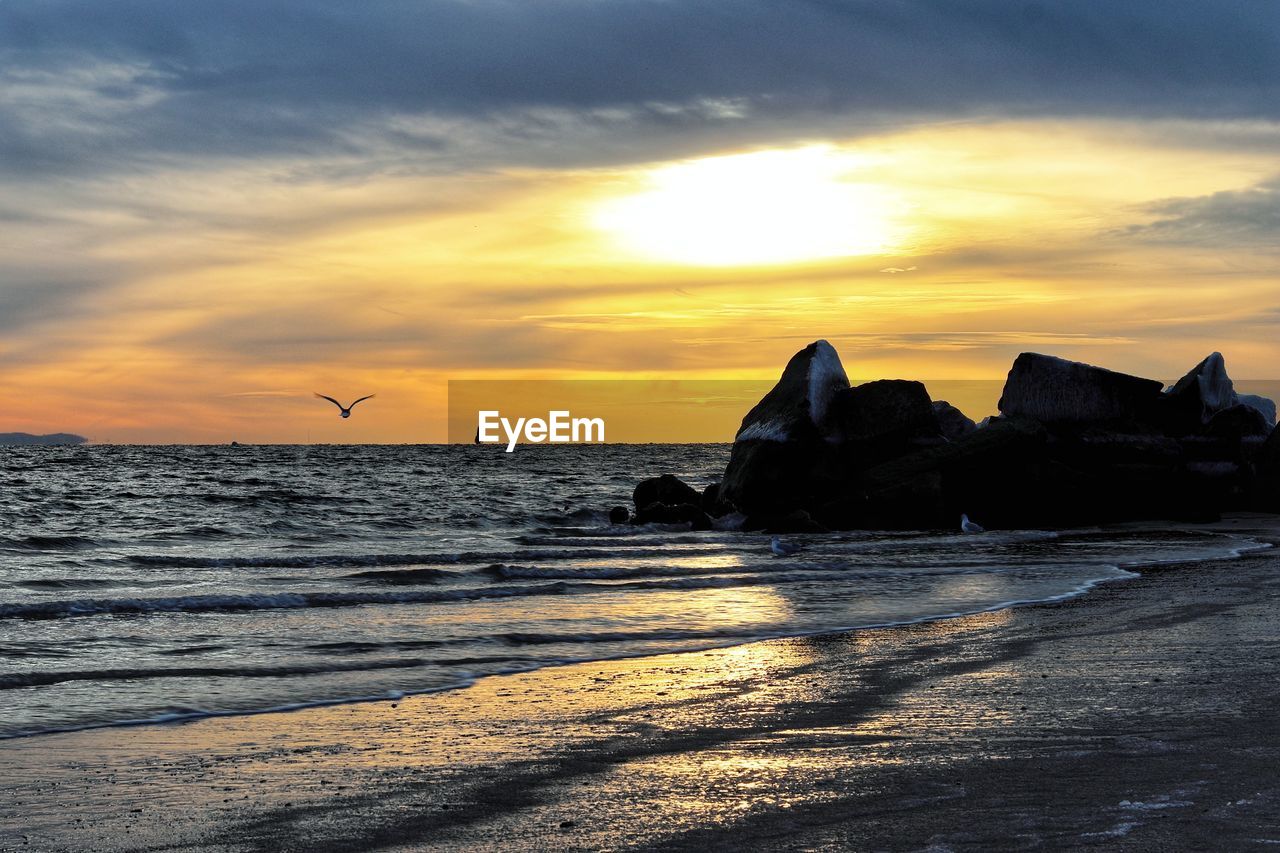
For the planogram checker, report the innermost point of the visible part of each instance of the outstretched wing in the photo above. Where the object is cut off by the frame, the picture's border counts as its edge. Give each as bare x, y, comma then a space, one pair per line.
370, 397
331, 400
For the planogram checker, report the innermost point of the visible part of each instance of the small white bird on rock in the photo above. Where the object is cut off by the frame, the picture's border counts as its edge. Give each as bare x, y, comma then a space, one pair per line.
967, 526
783, 549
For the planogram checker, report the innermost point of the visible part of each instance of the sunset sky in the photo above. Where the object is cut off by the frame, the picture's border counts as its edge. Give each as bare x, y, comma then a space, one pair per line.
210, 210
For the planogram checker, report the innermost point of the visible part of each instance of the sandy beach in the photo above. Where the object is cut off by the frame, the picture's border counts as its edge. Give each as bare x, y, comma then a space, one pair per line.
1144, 715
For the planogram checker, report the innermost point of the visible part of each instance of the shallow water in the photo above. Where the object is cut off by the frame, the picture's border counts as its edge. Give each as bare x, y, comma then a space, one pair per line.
145, 583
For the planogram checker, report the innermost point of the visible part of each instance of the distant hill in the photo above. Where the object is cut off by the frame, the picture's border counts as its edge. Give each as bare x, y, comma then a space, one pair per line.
52, 438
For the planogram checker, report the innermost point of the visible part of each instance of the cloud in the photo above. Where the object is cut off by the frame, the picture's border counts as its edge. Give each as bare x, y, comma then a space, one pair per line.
31, 298
1227, 219
92, 87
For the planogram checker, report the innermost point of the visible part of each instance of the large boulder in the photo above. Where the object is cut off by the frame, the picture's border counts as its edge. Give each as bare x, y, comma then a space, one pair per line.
1055, 391
785, 437
1190, 403
953, 424
667, 489
1262, 405
1205, 390
884, 409
797, 406
712, 504
1237, 422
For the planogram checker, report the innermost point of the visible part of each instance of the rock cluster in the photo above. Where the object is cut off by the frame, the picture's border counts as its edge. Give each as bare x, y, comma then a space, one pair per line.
1073, 444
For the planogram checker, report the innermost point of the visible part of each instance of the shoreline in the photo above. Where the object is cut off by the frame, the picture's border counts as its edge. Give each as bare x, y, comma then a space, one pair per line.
1130, 570
727, 728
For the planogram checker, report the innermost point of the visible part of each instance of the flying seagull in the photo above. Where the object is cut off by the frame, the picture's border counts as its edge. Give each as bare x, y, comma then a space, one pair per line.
967, 526
782, 549
346, 410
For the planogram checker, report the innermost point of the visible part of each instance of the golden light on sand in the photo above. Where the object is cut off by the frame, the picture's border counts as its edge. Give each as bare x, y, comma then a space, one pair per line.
760, 208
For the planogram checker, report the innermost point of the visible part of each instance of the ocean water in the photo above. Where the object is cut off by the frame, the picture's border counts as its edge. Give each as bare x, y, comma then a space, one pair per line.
162, 583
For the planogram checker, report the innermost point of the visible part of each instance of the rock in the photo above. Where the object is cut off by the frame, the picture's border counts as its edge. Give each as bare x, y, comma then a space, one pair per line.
915, 500
1074, 444
685, 513
886, 408
952, 423
1237, 422
1261, 404
1053, 390
711, 503
619, 515
773, 477
1204, 391
1267, 483
667, 489
779, 452
797, 405
931, 487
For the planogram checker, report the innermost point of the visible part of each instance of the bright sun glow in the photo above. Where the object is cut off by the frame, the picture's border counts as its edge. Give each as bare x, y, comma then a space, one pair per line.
766, 207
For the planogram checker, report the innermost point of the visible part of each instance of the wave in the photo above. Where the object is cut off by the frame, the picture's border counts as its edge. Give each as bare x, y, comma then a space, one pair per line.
524, 638
300, 600
69, 583
404, 577
288, 496
581, 538
48, 543
263, 601
185, 715
769, 569
362, 560
15, 680
285, 562
359, 647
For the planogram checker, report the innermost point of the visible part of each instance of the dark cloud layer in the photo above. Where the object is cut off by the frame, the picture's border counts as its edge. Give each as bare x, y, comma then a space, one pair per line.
1229, 219
96, 85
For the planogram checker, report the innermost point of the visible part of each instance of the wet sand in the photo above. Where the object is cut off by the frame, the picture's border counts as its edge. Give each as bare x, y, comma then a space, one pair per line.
1142, 716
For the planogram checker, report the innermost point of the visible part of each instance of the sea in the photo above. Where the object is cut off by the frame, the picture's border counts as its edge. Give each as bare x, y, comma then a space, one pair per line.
165, 583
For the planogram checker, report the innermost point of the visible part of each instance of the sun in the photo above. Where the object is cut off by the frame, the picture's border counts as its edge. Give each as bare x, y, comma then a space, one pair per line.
761, 208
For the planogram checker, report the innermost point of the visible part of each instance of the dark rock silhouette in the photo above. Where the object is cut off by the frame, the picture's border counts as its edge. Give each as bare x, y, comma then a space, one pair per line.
1266, 491
667, 489
1074, 444
1205, 390
781, 449
884, 409
686, 513
712, 504
953, 424
1266, 407
797, 406
1054, 390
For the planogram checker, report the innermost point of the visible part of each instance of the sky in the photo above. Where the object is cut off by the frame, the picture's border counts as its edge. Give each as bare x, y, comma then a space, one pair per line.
209, 210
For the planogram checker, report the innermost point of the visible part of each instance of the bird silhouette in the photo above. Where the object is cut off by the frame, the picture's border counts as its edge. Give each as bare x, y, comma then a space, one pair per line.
967, 526
346, 410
